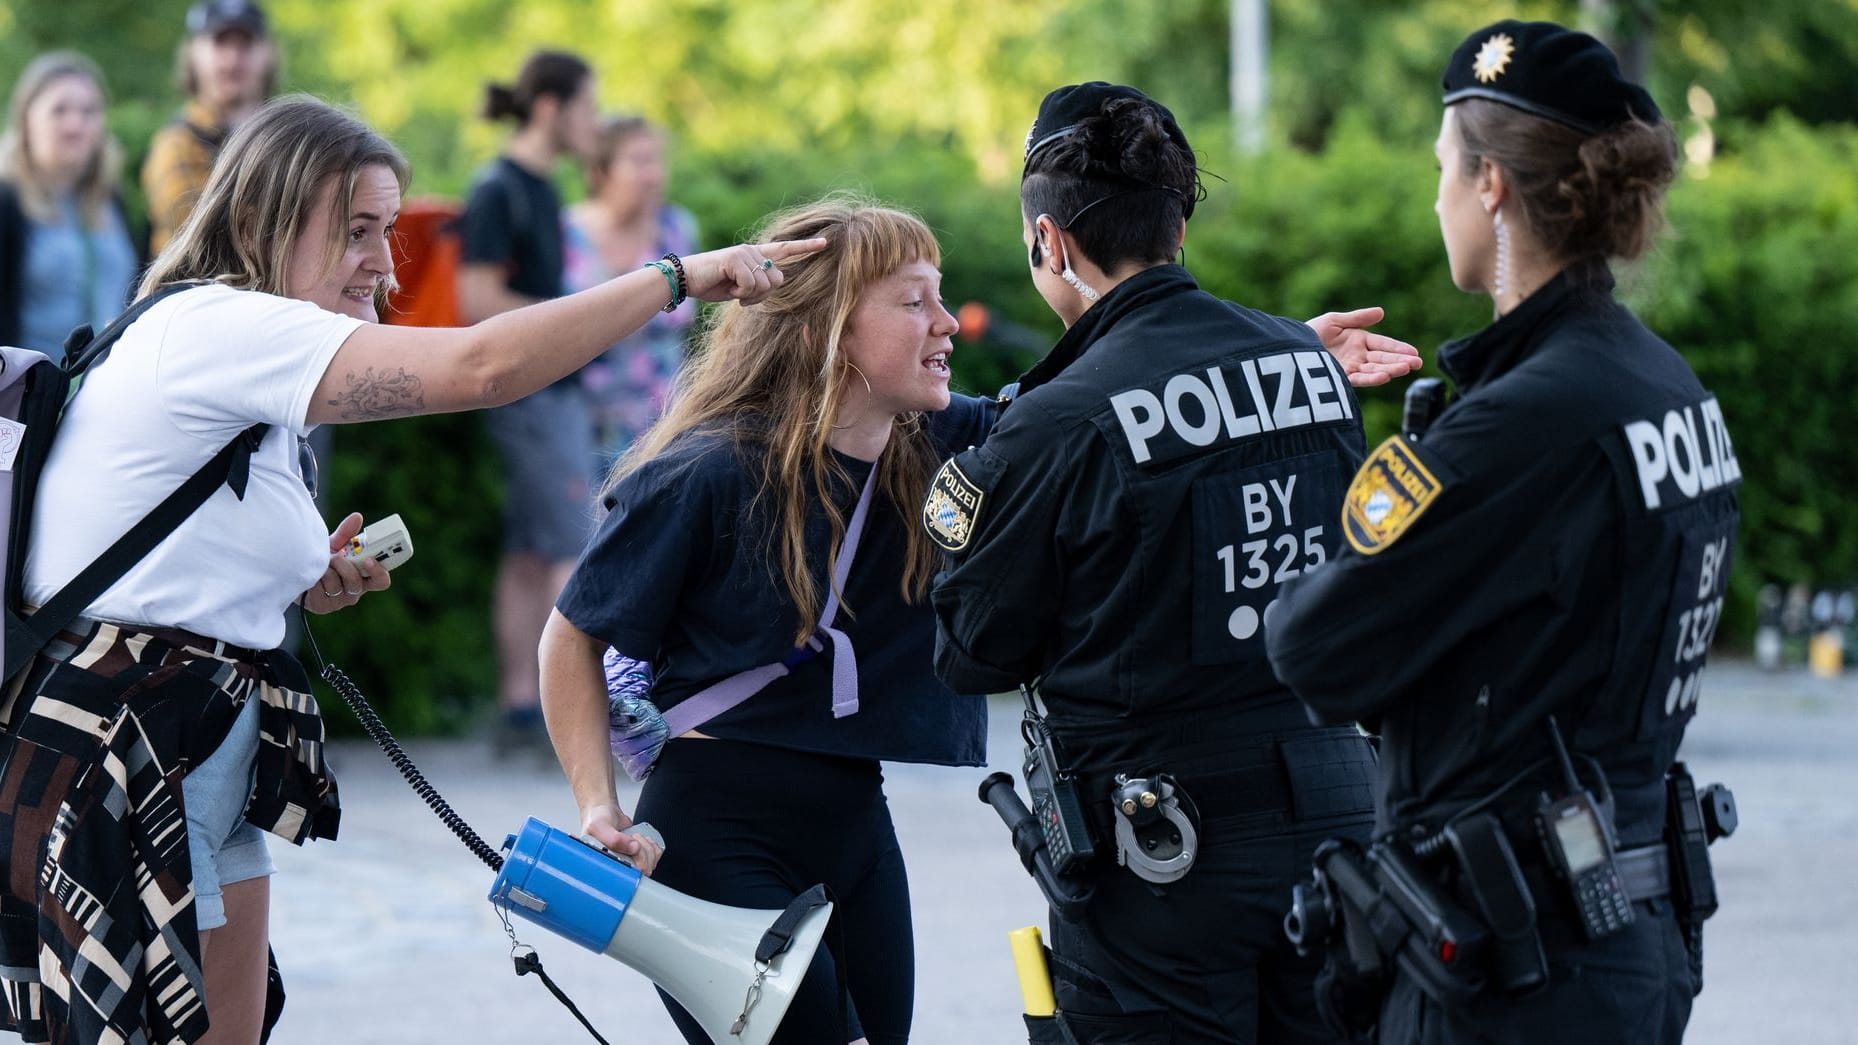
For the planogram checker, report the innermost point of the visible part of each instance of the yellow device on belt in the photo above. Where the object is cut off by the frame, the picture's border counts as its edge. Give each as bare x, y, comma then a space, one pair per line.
1035, 977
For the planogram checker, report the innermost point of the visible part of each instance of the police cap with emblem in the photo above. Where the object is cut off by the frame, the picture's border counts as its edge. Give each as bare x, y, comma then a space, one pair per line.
1065, 108
1549, 71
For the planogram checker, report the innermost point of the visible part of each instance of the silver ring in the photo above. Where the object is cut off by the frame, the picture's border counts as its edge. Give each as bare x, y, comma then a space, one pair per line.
767, 263
327, 594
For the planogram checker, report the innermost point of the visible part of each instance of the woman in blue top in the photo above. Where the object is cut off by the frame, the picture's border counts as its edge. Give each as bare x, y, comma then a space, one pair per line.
714, 560
66, 256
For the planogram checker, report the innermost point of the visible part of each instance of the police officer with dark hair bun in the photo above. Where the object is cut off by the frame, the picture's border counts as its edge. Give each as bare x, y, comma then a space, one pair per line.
1117, 543
1528, 591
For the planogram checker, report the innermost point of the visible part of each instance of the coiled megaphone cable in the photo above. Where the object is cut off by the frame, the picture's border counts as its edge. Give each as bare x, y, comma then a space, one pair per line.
377, 732
524, 956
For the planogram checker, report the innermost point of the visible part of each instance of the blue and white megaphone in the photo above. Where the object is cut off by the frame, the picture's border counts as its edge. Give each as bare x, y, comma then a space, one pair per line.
703, 954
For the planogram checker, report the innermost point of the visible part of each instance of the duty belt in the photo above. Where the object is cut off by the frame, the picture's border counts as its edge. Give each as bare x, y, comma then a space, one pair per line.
1645, 872
1218, 795
1265, 781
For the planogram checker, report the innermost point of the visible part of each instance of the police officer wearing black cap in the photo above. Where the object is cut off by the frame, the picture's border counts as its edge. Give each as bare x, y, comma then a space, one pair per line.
1117, 544
1529, 589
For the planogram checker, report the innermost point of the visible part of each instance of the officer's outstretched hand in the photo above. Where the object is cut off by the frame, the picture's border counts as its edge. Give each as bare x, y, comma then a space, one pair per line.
1367, 358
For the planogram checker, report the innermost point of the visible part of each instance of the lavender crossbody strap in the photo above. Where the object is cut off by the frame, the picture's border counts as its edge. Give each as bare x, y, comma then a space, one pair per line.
694, 711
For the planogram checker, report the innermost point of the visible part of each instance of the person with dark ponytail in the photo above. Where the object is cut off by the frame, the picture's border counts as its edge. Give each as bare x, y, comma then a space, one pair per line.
1116, 545
1532, 582
512, 256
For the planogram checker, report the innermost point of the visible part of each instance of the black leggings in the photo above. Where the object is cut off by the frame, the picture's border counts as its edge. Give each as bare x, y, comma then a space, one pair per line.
754, 826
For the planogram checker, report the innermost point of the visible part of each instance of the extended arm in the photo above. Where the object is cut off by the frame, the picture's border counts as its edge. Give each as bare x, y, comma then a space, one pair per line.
1367, 358
390, 371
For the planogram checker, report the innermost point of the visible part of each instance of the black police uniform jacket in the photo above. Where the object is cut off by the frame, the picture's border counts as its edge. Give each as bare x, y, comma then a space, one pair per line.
1557, 543
1124, 529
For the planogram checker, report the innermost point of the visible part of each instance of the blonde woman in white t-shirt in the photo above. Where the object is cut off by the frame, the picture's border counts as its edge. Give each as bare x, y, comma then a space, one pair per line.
139, 717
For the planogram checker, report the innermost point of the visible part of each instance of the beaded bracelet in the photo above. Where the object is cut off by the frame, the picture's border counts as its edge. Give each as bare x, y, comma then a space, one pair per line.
670, 280
683, 285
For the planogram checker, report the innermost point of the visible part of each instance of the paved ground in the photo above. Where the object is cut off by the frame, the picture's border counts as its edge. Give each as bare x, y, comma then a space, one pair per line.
385, 936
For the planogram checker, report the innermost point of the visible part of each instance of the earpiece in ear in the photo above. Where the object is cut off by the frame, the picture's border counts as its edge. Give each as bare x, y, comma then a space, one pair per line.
1038, 239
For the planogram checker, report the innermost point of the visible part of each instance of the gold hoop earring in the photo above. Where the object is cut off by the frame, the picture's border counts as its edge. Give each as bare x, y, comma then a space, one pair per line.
867, 390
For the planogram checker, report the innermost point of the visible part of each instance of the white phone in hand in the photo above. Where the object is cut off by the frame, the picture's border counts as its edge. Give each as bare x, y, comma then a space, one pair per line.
384, 541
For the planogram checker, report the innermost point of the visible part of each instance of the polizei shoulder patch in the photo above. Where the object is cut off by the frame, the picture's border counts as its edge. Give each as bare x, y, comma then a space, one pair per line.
1392, 489
951, 506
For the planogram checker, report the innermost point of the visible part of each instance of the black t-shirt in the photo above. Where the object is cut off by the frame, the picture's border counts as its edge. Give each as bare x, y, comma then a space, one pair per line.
513, 219
682, 575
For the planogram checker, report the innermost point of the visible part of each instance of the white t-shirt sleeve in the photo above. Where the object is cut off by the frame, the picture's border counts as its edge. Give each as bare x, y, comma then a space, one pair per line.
231, 358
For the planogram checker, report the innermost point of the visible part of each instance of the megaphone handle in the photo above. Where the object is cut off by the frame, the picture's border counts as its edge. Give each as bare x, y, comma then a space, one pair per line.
780, 935
776, 941
639, 830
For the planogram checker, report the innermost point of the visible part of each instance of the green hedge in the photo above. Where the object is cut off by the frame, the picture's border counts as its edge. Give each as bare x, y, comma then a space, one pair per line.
1757, 284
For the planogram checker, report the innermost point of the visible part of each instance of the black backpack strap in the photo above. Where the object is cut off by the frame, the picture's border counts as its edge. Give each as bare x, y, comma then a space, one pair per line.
231, 466
25, 636
79, 360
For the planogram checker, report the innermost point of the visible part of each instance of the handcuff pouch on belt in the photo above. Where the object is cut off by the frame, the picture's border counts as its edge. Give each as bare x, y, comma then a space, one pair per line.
1156, 837
1152, 821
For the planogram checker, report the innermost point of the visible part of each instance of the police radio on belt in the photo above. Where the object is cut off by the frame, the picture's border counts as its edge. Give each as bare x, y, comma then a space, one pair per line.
1580, 846
1056, 806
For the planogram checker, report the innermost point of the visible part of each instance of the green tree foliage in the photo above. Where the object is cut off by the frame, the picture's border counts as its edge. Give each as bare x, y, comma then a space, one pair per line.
1760, 60
775, 102
1758, 284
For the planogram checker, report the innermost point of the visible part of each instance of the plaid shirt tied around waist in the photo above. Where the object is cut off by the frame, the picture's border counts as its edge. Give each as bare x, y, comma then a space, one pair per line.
98, 936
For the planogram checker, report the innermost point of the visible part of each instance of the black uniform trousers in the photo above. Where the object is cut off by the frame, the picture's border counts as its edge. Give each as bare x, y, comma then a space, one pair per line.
1204, 960
1634, 987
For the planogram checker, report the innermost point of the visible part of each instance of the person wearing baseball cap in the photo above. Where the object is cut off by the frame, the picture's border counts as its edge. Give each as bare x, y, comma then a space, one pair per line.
227, 66
1525, 601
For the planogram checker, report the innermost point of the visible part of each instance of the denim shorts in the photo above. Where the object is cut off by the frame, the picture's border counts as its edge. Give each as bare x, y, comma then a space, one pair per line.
224, 849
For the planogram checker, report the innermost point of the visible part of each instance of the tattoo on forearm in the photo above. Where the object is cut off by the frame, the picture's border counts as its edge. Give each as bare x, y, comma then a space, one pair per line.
371, 396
